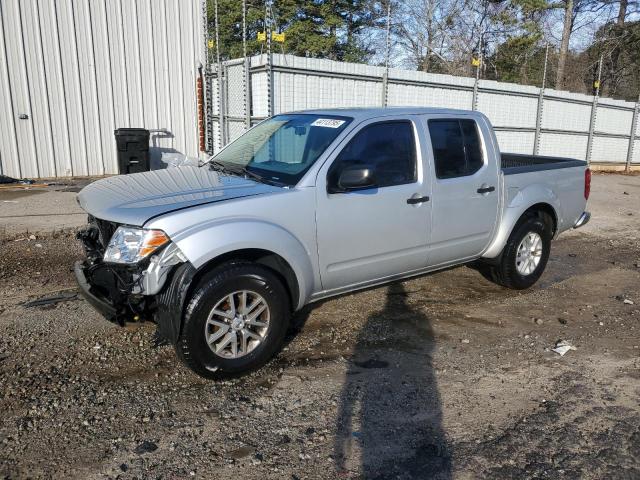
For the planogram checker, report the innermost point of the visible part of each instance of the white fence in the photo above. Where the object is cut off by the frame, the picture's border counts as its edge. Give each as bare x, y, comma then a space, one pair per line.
527, 119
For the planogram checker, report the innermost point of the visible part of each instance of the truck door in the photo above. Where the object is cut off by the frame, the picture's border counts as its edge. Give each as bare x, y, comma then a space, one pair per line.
464, 177
366, 234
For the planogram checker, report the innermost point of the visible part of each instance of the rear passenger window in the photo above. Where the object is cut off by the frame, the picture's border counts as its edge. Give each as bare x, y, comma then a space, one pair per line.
388, 146
456, 147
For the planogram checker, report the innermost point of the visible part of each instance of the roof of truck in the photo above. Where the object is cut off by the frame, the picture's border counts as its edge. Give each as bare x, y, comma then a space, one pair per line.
367, 113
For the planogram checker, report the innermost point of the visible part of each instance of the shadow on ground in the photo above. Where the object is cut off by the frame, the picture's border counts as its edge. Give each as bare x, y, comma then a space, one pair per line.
390, 417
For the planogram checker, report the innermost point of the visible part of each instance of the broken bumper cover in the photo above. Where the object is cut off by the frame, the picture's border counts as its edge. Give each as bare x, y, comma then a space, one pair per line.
165, 309
583, 220
153, 289
102, 305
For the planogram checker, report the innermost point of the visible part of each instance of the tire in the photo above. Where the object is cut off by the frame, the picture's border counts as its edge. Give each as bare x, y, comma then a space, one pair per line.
506, 272
218, 289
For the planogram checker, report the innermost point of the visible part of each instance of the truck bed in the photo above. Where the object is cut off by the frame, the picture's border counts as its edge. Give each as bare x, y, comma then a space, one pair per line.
514, 163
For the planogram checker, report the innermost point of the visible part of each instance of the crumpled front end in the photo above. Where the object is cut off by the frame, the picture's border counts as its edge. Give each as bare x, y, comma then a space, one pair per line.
114, 290
153, 288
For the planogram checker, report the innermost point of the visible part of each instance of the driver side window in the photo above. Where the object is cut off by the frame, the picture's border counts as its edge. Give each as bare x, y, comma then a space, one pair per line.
389, 148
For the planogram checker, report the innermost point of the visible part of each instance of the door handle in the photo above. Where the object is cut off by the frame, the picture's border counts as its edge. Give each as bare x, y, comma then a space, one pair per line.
486, 189
413, 201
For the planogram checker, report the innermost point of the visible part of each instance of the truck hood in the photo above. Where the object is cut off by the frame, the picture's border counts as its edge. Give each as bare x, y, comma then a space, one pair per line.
134, 199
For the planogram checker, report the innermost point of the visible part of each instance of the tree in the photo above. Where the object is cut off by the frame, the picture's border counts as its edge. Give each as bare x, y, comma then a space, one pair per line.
619, 46
322, 28
567, 28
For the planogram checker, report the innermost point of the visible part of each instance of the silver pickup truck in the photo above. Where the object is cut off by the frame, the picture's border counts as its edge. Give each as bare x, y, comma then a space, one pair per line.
313, 204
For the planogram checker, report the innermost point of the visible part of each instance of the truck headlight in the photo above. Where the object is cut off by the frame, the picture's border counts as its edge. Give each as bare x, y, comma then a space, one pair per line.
130, 244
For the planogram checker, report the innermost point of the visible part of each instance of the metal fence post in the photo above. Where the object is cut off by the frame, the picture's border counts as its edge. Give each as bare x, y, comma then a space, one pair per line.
208, 100
221, 106
632, 136
247, 65
248, 101
594, 110
480, 59
536, 140
267, 31
385, 75
384, 89
474, 99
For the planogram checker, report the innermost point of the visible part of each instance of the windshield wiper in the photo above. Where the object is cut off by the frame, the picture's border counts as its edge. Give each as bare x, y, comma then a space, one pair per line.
253, 175
260, 178
220, 167
240, 172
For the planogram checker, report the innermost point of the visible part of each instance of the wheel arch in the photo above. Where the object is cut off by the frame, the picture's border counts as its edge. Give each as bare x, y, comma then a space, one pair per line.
513, 216
271, 260
254, 240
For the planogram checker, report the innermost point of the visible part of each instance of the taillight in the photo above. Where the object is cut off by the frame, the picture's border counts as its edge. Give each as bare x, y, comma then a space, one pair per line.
587, 183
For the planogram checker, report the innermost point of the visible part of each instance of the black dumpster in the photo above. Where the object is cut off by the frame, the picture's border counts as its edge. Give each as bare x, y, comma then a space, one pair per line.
133, 149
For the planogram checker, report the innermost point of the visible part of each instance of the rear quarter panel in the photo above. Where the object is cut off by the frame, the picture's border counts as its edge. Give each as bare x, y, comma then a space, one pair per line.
563, 189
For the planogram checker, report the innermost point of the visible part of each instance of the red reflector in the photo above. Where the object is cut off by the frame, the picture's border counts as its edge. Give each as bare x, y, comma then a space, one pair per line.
587, 183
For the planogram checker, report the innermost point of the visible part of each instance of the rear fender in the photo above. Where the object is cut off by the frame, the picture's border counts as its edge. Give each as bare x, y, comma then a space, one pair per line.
519, 201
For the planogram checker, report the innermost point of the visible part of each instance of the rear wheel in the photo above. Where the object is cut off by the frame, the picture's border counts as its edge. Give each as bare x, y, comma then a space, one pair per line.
235, 322
524, 257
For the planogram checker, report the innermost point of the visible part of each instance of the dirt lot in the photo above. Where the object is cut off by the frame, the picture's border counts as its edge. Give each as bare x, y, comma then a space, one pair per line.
447, 376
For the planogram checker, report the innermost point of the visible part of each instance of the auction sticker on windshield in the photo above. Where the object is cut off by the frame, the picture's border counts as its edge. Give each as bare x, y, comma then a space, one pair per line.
327, 122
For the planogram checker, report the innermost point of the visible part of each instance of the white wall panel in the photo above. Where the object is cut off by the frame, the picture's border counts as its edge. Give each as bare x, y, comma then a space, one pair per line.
37, 85
557, 144
9, 160
81, 68
428, 96
566, 116
18, 90
607, 149
515, 142
509, 110
613, 120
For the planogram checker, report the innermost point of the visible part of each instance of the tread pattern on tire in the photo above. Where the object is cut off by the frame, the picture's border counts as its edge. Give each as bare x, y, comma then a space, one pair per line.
217, 276
505, 273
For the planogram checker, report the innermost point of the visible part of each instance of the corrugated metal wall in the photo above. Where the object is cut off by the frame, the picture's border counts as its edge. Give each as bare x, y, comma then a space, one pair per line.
78, 69
302, 83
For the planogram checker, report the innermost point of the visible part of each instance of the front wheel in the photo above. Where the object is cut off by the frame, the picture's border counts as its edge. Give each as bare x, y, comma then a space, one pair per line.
235, 321
524, 257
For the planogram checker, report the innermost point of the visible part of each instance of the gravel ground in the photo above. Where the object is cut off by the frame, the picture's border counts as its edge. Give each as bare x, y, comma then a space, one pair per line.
446, 376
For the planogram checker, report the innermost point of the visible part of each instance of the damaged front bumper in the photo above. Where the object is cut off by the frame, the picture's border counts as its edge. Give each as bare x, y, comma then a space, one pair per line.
154, 289
102, 305
110, 290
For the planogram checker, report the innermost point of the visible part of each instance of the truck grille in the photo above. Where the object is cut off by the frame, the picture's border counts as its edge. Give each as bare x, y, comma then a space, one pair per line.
105, 228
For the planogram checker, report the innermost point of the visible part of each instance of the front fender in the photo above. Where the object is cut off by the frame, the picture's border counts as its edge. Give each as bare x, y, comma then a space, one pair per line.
519, 201
209, 242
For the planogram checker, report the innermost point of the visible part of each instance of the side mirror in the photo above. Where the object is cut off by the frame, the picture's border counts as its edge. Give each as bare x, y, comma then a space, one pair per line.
354, 177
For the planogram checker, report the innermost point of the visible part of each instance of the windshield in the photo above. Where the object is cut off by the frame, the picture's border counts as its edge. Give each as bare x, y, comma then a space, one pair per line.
282, 148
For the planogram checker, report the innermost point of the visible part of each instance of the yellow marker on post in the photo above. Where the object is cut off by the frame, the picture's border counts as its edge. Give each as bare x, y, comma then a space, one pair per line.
262, 36
475, 62
277, 37
596, 84
210, 44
